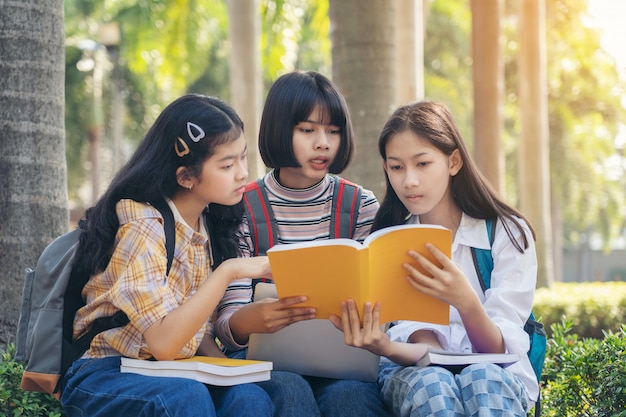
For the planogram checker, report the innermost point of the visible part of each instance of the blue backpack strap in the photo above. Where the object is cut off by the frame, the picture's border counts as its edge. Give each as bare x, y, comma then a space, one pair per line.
483, 261
346, 203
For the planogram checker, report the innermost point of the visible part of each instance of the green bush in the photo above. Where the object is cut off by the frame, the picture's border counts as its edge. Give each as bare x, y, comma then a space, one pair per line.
14, 402
590, 307
584, 377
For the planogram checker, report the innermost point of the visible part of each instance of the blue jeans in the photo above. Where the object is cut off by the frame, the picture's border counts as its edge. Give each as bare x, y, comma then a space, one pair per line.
295, 395
97, 388
347, 397
477, 390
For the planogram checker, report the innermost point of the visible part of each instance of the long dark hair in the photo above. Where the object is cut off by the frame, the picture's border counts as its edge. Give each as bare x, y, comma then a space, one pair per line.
471, 191
150, 176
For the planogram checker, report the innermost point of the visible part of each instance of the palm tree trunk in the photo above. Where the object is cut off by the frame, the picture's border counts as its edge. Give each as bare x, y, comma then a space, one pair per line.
409, 51
534, 145
488, 79
33, 181
363, 55
245, 74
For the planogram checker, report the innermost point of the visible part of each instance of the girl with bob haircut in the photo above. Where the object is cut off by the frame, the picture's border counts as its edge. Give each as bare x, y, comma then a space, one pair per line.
305, 136
431, 179
194, 160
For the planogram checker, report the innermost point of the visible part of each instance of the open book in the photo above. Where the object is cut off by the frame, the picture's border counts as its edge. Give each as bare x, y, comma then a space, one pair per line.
331, 271
456, 359
208, 370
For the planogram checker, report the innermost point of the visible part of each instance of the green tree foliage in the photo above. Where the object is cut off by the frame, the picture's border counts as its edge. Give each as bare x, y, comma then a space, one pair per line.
448, 60
585, 109
294, 35
585, 112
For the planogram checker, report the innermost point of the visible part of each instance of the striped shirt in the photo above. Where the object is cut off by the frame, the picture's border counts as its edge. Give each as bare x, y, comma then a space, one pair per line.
301, 215
135, 281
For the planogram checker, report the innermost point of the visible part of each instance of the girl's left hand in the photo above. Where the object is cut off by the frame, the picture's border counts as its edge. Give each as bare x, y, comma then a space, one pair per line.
446, 283
367, 336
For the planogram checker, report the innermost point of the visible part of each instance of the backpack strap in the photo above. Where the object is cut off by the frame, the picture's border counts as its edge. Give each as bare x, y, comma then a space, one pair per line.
483, 261
346, 203
261, 220
170, 231
75, 349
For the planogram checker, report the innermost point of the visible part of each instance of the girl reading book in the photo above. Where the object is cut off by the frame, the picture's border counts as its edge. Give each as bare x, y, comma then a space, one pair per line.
193, 158
431, 179
305, 136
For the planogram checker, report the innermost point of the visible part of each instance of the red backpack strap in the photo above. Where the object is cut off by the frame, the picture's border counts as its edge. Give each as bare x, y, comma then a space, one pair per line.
346, 203
261, 222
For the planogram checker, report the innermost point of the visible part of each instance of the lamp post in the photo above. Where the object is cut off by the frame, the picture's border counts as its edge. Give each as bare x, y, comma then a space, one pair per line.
92, 62
109, 36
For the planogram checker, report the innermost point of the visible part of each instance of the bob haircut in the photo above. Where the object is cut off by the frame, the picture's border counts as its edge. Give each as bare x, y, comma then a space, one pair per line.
291, 100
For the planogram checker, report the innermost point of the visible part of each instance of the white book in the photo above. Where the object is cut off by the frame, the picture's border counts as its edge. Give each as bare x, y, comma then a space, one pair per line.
205, 369
445, 358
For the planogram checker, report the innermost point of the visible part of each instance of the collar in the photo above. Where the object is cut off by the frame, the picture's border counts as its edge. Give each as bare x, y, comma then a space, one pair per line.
471, 232
295, 194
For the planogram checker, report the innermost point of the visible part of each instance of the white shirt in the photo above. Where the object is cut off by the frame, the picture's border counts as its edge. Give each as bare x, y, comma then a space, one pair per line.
508, 302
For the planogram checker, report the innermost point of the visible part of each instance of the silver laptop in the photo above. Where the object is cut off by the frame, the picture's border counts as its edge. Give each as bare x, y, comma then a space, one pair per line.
311, 347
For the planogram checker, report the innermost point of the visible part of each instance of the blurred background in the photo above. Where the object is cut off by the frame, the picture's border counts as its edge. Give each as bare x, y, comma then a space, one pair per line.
126, 59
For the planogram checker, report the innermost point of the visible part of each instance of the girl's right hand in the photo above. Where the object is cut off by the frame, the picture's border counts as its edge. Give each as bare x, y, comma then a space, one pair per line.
367, 335
268, 316
255, 267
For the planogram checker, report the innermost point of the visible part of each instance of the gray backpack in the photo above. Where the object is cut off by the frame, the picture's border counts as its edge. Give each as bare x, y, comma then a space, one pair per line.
50, 300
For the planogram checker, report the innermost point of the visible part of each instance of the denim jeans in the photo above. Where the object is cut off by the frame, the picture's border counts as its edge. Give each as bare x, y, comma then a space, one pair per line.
346, 397
295, 395
478, 390
97, 388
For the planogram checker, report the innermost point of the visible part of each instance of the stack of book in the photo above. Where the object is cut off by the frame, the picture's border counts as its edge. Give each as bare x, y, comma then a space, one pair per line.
208, 370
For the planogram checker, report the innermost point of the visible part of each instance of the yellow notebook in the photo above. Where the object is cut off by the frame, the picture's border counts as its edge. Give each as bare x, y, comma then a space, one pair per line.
331, 271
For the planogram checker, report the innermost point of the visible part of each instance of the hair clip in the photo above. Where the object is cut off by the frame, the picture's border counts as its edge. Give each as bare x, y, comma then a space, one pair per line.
185, 150
195, 132
199, 133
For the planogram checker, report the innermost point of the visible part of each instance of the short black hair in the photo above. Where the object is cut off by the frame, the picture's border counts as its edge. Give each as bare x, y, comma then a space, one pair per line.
291, 100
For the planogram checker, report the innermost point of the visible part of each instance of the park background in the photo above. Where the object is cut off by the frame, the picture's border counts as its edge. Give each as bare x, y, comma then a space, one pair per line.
538, 88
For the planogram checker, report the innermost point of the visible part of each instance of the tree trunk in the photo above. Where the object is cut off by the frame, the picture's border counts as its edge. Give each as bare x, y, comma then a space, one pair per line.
363, 34
245, 75
534, 145
33, 179
488, 80
409, 51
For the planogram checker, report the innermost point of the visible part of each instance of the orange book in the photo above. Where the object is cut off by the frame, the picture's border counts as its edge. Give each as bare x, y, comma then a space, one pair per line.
331, 271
